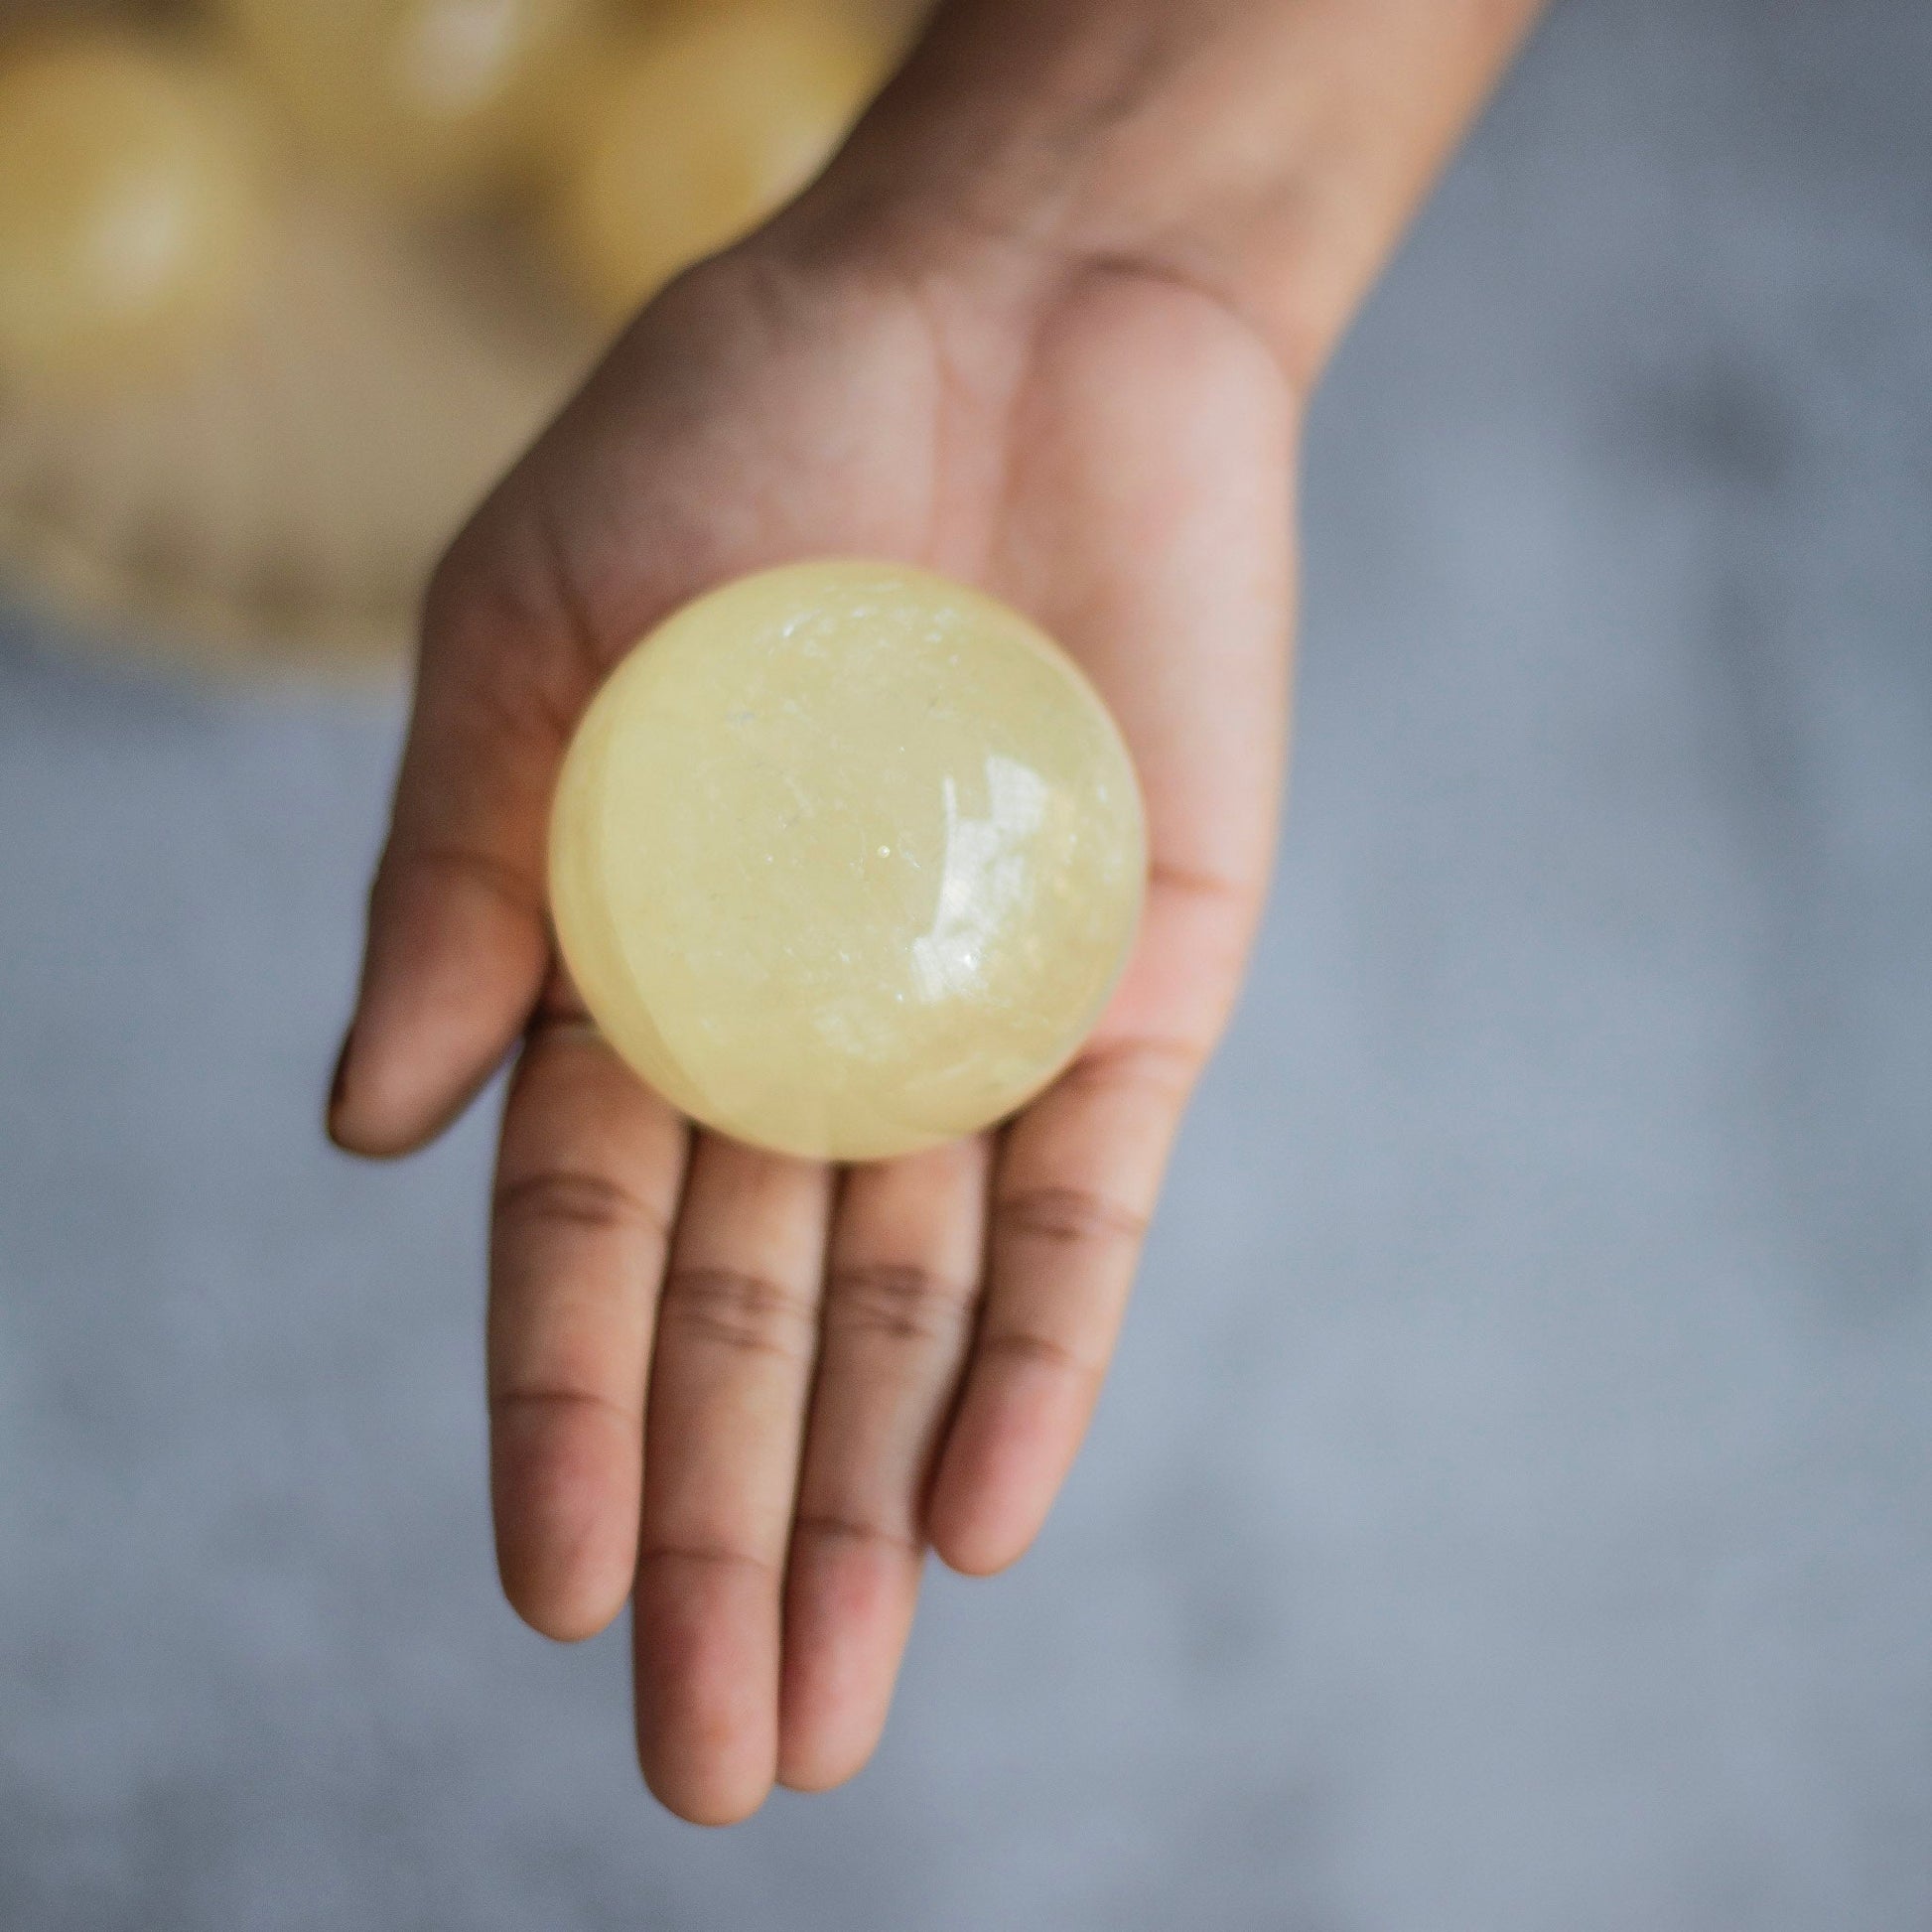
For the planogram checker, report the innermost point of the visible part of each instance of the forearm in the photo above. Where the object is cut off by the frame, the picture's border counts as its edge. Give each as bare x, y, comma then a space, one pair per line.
1268, 152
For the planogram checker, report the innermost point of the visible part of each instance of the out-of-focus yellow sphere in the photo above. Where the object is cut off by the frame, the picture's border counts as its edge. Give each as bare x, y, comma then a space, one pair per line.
845, 859
130, 204
702, 124
425, 98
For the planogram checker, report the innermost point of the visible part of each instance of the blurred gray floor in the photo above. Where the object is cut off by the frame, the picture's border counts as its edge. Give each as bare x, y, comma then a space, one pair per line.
1513, 1509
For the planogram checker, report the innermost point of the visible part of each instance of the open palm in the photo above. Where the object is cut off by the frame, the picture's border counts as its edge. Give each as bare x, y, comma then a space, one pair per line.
749, 1390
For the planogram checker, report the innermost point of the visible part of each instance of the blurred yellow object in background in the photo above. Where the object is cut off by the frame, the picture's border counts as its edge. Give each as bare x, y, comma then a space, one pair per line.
427, 100
131, 204
704, 122
275, 493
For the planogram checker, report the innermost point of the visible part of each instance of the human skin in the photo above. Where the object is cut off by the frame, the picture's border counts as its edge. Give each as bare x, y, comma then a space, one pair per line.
1049, 324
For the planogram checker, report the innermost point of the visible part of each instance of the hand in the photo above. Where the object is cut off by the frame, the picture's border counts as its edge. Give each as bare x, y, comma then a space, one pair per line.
1044, 325
747, 1390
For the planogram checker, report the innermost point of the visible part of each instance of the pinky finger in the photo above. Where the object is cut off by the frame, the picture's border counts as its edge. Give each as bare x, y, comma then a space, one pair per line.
1075, 1187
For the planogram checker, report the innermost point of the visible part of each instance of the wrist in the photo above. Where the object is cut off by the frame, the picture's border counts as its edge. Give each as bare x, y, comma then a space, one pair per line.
1026, 140
1264, 153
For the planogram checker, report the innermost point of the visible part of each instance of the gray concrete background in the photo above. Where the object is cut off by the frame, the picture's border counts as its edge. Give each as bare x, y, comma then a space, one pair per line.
1513, 1508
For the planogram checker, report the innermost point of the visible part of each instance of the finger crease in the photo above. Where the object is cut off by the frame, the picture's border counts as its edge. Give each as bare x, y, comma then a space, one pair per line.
834, 1528
742, 1310
1197, 884
566, 1399
1170, 1067
1019, 1345
706, 1556
1067, 1216
575, 1197
508, 883
899, 1302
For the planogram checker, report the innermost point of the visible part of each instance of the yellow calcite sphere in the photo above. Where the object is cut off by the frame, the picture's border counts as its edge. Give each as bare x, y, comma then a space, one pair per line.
130, 206
704, 123
425, 100
845, 859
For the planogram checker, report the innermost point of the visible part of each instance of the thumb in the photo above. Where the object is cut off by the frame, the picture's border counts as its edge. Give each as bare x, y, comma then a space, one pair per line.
458, 942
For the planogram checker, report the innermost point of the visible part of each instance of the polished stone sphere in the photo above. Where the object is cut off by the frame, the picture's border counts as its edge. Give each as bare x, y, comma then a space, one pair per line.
845, 859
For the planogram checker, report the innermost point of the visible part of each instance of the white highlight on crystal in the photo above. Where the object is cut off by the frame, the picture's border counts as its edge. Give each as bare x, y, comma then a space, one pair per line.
986, 878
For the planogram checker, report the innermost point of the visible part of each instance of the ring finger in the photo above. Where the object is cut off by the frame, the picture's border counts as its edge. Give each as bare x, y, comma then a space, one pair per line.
901, 1287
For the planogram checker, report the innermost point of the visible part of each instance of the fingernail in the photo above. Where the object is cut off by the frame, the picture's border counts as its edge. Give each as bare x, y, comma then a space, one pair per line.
340, 1079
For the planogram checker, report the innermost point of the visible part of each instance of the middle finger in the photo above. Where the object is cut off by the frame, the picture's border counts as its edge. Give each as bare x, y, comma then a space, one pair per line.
737, 1330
